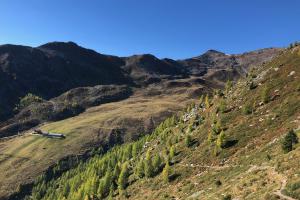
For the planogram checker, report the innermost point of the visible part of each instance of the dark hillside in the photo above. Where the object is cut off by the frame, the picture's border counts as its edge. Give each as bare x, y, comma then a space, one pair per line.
52, 69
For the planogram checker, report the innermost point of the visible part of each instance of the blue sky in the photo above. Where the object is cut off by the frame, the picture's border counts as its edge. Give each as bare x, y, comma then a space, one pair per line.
165, 28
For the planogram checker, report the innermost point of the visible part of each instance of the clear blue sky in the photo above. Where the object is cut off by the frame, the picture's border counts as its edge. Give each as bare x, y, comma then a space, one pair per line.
165, 28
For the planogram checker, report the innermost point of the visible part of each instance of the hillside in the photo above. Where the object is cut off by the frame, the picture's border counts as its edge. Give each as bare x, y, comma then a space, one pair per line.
54, 68
123, 99
226, 146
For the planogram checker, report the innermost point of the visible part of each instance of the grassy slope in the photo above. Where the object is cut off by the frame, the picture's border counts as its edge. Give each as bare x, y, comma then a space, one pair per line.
23, 158
253, 168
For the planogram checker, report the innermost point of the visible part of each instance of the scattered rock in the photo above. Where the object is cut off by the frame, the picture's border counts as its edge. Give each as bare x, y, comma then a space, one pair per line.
261, 119
292, 73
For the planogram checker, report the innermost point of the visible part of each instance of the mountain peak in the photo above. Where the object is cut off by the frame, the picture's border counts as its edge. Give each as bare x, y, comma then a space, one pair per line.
55, 45
213, 52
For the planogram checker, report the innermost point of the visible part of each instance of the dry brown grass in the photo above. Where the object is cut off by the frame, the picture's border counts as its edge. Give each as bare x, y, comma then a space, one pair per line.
23, 158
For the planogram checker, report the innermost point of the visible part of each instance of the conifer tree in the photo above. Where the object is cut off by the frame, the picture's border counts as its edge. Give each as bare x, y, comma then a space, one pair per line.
265, 95
228, 86
188, 140
207, 103
172, 153
156, 163
116, 172
134, 150
201, 100
111, 192
166, 173
107, 181
123, 177
210, 137
221, 141
148, 168
101, 190
139, 172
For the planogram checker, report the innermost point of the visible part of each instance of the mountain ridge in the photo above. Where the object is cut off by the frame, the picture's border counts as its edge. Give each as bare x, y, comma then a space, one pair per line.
53, 68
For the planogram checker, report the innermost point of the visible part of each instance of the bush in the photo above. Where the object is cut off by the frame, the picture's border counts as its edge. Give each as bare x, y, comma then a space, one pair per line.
288, 141
218, 183
247, 109
227, 197
252, 86
27, 100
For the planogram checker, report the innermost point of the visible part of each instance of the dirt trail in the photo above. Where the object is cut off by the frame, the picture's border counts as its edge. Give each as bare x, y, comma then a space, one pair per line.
278, 192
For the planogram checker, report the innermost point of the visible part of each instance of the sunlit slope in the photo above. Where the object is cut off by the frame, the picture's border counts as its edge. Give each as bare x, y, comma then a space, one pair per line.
23, 158
225, 147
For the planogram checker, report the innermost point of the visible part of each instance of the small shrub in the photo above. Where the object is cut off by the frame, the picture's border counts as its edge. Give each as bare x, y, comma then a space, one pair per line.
218, 183
252, 86
247, 109
288, 141
227, 197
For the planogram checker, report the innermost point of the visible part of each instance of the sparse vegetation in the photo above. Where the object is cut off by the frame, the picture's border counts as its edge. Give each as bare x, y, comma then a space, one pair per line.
265, 95
27, 100
247, 109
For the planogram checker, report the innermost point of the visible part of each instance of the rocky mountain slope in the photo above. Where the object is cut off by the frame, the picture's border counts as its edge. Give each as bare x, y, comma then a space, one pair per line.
54, 68
233, 144
95, 100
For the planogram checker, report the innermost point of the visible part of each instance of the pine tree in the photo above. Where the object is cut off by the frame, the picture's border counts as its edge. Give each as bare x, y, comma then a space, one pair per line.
207, 103
188, 140
166, 173
265, 95
201, 100
111, 192
107, 181
134, 150
222, 106
221, 141
101, 190
148, 168
123, 177
172, 153
210, 137
228, 86
139, 171
156, 163
116, 172
217, 128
